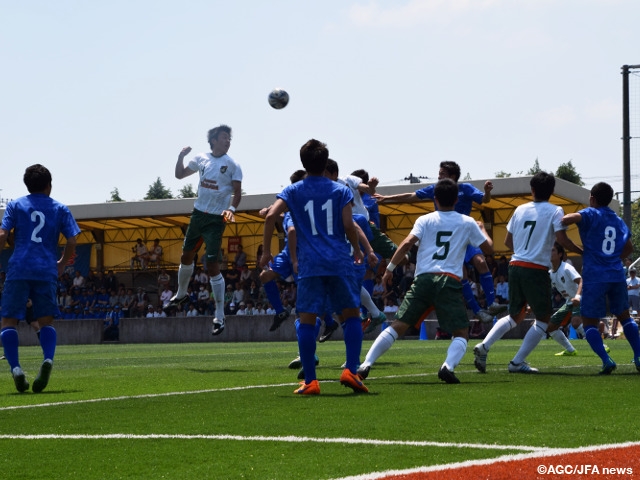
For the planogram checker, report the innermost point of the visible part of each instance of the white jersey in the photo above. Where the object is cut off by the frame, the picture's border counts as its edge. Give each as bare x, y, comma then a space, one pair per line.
353, 182
216, 176
564, 280
444, 237
533, 227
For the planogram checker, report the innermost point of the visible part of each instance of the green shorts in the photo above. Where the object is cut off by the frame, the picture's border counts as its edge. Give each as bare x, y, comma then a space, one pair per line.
564, 314
382, 244
529, 286
444, 293
204, 227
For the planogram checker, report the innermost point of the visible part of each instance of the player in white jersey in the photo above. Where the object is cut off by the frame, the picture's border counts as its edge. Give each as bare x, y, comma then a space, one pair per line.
568, 282
531, 233
219, 194
443, 237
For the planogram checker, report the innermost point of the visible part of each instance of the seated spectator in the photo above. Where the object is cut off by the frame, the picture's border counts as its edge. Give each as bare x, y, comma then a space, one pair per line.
111, 324
502, 290
155, 255
150, 311
250, 308
390, 306
111, 281
240, 260
232, 276
203, 296
159, 312
200, 278
245, 277
64, 300
164, 280
228, 298
259, 310
254, 291
141, 303
378, 292
242, 309
269, 310
114, 298
140, 254
238, 294
165, 296
78, 280
193, 311
127, 302
102, 297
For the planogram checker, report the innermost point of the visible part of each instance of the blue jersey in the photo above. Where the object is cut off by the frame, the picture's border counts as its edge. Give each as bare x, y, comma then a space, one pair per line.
37, 221
316, 205
467, 195
363, 223
371, 205
287, 223
603, 236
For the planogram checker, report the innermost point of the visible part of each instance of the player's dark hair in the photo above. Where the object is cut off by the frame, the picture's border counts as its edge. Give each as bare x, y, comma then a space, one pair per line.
332, 167
362, 174
214, 132
297, 176
543, 184
603, 193
37, 178
559, 248
446, 192
314, 155
452, 168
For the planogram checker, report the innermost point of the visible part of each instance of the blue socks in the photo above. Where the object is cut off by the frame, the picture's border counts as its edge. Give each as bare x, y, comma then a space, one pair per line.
273, 295
592, 335
307, 350
48, 341
486, 282
9, 337
630, 329
352, 330
467, 293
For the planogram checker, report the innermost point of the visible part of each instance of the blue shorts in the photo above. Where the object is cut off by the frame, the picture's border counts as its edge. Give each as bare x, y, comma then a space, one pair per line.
471, 252
595, 296
42, 295
281, 264
340, 292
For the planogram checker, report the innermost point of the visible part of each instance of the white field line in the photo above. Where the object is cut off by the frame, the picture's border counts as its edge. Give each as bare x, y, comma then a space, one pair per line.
259, 438
539, 453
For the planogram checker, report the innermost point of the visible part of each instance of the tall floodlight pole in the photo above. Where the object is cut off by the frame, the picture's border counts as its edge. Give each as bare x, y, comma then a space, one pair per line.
626, 149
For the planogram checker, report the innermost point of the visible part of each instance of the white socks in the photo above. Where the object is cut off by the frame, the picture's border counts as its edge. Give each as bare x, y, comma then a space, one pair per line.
367, 302
561, 338
537, 332
184, 276
455, 352
383, 342
501, 327
217, 288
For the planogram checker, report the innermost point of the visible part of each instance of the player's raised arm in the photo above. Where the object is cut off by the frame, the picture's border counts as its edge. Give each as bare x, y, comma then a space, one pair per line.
181, 170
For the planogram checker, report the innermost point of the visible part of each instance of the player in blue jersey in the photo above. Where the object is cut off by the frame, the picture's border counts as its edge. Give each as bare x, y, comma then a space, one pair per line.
442, 238
37, 221
467, 196
219, 194
606, 240
321, 212
281, 266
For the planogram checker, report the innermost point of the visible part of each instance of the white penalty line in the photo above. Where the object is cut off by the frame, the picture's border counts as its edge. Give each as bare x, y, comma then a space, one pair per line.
287, 439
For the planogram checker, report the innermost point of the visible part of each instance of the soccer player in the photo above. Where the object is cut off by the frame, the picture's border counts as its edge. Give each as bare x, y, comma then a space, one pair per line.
219, 194
467, 195
606, 240
321, 212
442, 237
37, 221
281, 266
531, 233
568, 282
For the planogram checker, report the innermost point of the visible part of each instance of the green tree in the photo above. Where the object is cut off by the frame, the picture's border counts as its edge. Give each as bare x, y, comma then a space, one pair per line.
157, 191
535, 169
502, 174
567, 172
187, 192
115, 196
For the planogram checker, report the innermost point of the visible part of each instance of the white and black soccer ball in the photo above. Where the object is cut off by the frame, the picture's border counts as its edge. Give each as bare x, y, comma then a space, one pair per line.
278, 98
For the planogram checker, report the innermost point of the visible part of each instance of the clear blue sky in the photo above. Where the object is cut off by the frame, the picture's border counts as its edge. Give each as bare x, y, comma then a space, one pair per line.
106, 94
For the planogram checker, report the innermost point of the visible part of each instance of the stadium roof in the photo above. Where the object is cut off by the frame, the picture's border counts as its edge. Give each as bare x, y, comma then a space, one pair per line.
116, 223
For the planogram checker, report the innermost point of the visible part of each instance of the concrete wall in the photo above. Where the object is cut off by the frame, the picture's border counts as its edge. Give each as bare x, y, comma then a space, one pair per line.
198, 329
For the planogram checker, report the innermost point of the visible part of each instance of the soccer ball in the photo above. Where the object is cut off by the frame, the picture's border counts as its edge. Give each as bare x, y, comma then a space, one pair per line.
278, 98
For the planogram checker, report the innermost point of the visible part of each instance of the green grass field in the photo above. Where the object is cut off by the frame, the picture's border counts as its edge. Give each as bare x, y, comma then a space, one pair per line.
228, 411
